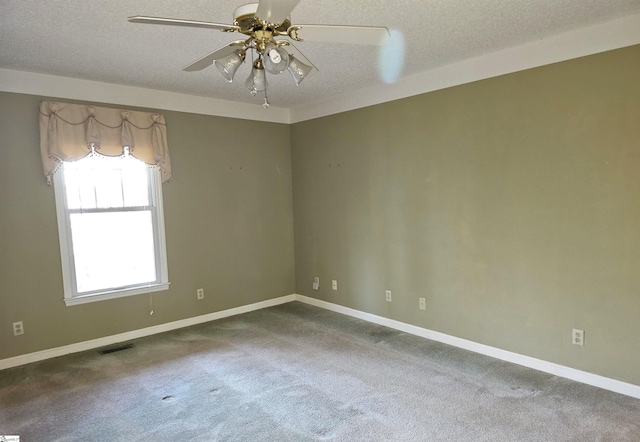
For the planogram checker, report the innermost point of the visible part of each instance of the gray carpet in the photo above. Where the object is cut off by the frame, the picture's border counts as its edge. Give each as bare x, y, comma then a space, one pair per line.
299, 373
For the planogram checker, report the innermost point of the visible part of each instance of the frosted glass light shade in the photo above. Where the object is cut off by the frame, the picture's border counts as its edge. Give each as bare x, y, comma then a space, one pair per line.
257, 80
229, 65
276, 59
298, 70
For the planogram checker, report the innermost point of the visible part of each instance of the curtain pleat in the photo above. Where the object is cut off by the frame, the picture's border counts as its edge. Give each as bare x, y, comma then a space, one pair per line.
93, 128
70, 132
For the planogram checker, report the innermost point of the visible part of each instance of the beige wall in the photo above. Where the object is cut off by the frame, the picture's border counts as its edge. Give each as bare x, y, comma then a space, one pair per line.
511, 204
228, 218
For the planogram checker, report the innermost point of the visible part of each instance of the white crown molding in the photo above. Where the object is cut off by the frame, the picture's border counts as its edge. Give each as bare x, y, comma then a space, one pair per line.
77, 89
135, 334
508, 356
586, 41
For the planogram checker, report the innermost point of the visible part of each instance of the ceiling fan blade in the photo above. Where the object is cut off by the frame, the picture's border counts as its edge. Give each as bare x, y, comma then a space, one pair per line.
275, 11
363, 35
297, 54
207, 60
180, 22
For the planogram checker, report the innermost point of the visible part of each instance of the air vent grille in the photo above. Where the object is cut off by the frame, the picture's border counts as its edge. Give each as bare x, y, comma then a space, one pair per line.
106, 351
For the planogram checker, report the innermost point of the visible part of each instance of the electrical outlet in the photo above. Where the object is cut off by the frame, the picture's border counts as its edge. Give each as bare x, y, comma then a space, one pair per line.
18, 328
388, 295
577, 337
334, 284
422, 303
200, 293
316, 283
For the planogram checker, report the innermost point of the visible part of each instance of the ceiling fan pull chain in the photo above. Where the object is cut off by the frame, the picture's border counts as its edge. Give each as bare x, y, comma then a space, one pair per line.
266, 99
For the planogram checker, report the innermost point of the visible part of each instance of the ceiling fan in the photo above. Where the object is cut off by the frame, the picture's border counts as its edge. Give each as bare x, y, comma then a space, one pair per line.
261, 23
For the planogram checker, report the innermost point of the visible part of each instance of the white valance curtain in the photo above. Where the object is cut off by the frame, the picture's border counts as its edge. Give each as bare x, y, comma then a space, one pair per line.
70, 132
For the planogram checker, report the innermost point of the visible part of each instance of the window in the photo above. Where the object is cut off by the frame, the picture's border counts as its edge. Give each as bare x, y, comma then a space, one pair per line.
107, 165
111, 228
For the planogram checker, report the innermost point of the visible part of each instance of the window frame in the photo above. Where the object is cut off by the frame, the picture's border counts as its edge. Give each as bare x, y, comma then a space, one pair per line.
71, 295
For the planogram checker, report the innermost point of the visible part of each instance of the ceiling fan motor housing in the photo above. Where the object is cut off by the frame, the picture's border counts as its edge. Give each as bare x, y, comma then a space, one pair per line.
245, 17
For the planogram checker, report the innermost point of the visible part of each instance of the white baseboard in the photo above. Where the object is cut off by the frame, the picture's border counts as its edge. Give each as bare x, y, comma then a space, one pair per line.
135, 334
526, 361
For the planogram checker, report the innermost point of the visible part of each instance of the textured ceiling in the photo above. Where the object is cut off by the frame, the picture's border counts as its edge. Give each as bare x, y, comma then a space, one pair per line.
93, 40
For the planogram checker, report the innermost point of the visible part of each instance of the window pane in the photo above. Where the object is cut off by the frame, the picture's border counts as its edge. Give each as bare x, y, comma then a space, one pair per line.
134, 183
78, 183
107, 182
103, 182
113, 249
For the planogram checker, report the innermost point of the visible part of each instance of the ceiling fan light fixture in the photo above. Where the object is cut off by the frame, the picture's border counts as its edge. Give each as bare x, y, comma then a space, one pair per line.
257, 81
227, 66
298, 70
260, 23
276, 59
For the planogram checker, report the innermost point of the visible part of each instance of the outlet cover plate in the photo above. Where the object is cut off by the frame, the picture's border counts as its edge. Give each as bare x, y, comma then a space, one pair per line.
577, 337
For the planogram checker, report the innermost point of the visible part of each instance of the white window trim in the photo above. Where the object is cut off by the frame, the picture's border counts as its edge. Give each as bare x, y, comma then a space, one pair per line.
71, 297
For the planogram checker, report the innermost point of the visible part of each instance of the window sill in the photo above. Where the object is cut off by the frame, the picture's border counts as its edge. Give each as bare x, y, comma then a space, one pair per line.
85, 299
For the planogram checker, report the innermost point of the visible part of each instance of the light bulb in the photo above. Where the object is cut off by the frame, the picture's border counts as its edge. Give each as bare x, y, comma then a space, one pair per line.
275, 57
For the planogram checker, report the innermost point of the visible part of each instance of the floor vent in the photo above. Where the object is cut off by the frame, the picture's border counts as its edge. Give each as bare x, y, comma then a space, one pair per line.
106, 351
